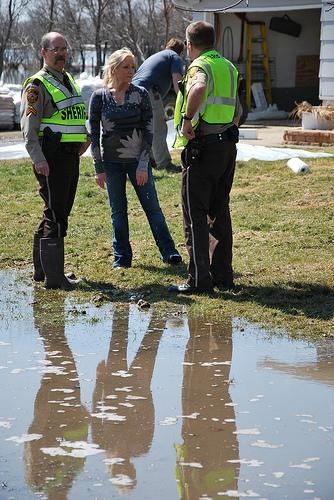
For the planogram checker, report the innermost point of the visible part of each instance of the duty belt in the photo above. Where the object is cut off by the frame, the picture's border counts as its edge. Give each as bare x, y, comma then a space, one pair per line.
70, 147
231, 134
210, 138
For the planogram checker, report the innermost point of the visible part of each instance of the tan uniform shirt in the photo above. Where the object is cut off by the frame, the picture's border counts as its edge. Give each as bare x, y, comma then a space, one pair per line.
204, 128
36, 103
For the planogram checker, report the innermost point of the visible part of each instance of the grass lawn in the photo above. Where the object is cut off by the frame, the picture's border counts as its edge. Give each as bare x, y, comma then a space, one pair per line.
283, 244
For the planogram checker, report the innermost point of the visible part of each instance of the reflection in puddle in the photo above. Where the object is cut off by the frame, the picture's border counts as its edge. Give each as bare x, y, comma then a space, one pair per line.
123, 410
141, 407
60, 420
207, 456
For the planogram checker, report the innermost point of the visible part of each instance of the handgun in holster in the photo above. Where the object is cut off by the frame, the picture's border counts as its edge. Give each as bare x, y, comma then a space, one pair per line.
180, 85
50, 141
192, 153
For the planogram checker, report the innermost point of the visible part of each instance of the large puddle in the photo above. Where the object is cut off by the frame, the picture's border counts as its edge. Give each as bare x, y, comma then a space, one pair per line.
113, 401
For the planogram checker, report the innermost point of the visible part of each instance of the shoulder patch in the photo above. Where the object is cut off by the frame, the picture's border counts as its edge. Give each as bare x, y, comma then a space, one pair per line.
192, 71
32, 95
31, 111
194, 75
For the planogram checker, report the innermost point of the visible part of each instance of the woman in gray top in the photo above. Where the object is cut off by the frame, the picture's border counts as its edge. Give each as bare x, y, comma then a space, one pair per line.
122, 112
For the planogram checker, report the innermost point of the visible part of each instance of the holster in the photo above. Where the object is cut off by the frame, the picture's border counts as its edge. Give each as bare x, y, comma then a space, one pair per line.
191, 153
50, 141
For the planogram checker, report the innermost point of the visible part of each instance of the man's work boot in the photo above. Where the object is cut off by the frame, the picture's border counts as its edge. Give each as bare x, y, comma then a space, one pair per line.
52, 258
36, 258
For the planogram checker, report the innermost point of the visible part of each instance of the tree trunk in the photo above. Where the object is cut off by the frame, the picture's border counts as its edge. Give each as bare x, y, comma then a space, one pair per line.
1, 60
98, 57
167, 11
83, 60
51, 21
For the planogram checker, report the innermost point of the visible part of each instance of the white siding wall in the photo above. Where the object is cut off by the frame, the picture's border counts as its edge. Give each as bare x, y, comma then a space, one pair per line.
326, 71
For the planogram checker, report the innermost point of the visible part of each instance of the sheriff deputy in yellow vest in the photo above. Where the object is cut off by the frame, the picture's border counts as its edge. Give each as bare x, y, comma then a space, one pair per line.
53, 119
206, 118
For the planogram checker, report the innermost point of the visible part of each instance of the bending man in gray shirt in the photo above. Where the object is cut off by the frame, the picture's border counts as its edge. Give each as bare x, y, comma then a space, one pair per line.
158, 74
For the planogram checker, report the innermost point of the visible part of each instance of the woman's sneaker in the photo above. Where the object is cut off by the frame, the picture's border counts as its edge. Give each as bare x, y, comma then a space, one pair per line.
174, 259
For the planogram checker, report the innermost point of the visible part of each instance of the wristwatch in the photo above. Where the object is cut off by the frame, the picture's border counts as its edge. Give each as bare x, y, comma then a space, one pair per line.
185, 117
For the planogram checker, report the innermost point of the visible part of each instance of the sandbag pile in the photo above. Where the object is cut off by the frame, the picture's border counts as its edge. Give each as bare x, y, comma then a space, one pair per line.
15, 92
7, 110
10, 99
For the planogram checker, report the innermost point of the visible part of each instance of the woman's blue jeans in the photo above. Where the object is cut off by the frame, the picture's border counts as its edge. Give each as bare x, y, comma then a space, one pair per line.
116, 175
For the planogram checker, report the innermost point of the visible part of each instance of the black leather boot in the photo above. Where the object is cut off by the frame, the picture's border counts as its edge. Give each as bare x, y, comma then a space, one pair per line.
36, 258
52, 258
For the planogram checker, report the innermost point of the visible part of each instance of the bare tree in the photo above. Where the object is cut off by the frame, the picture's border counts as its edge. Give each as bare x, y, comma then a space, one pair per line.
133, 31
137, 25
143, 26
51, 16
76, 26
69, 20
167, 9
10, 12
95, 10
43, 20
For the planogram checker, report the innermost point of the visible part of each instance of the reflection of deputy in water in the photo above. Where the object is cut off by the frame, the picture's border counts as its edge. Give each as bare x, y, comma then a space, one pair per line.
123, 418
59, 415
205, 459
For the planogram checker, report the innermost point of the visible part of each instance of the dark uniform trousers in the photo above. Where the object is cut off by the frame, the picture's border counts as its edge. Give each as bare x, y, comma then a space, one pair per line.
206, 186
59, 188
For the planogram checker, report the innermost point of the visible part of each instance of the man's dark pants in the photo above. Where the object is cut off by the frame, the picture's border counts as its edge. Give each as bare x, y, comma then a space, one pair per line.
206, 186
58, 189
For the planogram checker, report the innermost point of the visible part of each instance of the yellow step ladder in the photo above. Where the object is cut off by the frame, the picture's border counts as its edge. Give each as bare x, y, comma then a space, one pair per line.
257, 60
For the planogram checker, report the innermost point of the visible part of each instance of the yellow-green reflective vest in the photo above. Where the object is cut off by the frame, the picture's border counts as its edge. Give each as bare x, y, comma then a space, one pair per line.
220, 96
199, 480
70, 115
